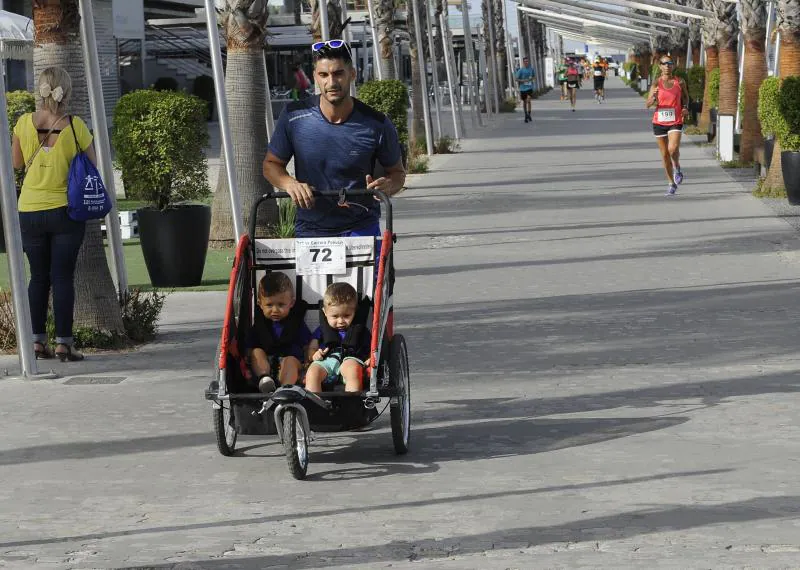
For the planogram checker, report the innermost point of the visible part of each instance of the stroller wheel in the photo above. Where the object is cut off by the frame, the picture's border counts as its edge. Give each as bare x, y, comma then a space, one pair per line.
224, 430
400, 404
295, 444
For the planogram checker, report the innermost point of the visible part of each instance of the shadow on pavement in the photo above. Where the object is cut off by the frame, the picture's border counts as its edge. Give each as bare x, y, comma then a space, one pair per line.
519, 492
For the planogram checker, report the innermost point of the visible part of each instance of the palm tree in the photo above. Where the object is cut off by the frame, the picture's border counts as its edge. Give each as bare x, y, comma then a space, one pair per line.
417, 110
754, 28
244, 26
57, 42
680, 39
728, 44
709, 32
335, 27
789, 65
694, 31
384, 22
498, 9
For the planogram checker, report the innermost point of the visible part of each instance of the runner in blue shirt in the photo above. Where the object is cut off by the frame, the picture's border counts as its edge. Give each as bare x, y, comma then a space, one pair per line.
335, 141
524, 76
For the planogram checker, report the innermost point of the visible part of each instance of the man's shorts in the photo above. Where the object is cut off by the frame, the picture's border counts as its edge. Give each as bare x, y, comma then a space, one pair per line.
525, 94
660, 131
562, 81
572, 84
332, 364
599, 82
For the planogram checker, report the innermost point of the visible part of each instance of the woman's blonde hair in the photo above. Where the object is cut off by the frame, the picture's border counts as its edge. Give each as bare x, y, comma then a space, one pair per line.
54, 89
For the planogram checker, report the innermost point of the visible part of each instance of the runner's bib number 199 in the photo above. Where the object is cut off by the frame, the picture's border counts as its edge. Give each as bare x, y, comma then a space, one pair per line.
320, 256
666, 115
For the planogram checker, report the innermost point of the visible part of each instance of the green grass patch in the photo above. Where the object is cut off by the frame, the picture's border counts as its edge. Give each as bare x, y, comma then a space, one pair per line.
760, 191
216, 273
694, 130
418, 164
736, 164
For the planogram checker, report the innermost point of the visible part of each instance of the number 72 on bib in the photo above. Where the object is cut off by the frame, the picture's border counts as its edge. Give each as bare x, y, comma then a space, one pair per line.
320, 256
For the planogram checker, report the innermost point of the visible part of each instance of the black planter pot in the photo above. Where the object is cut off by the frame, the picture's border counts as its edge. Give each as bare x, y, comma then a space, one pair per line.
769, 147
174, 244
712, 124
790, 166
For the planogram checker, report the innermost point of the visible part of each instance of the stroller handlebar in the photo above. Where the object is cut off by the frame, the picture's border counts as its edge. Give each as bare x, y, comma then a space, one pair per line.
342, 195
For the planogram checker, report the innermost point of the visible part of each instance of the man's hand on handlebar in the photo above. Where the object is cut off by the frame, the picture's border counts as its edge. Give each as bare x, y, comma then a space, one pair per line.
383, 184
301, 193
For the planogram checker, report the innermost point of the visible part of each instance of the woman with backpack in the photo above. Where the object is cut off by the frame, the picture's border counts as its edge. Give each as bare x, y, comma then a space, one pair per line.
44, 143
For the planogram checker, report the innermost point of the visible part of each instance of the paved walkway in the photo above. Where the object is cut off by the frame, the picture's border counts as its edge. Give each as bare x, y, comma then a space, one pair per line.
602, 377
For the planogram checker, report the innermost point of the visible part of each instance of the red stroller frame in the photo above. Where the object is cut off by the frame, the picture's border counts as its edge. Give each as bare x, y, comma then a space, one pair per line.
291, 411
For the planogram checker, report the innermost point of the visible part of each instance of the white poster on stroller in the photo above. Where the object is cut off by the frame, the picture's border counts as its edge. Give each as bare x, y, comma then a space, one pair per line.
320, 256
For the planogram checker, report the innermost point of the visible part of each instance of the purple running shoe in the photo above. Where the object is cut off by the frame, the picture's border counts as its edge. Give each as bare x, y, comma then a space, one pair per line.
673, 188
678, 177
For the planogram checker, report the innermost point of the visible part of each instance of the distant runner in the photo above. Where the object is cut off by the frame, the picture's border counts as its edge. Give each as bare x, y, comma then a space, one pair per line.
573, 82
562, 78
524, 77
599, 71
670, 97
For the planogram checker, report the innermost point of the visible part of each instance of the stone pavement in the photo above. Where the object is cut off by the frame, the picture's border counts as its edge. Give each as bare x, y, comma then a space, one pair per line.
602, 377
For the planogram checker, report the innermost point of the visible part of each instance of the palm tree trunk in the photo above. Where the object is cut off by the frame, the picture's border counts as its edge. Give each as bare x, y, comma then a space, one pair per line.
384, 17
500, 45
789, 55
246, 108
57, 43
417, 134
755, 71
712, 63
728, 79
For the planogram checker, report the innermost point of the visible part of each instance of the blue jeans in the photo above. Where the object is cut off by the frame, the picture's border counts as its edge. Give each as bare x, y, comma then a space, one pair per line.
51, 241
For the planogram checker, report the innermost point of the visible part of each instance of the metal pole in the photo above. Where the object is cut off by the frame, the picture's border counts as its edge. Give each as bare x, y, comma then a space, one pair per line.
224, 127
776, 71
770, 22
689, 62
702, 50
270, 118
348, 37
324, 27
742, 49
16, 265
493, 55
103, 146
473, 67
434, 71
423, 76
376, 67
484, 73
144, 63
447, 38
447, 45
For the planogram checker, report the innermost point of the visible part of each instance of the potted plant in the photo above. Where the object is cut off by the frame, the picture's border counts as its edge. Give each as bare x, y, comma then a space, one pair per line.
769, 114
789, 136
390, 97
159, 138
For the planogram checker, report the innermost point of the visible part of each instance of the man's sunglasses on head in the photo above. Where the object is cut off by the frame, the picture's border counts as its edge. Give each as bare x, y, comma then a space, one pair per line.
330, 45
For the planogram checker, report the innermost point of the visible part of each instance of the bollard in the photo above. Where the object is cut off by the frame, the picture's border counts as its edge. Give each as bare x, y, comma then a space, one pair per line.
725, 124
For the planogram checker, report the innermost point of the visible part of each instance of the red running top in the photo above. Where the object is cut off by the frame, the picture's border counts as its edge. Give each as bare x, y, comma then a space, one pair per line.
668, 107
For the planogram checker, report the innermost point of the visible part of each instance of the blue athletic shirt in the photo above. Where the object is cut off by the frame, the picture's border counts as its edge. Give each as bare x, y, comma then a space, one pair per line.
526, 75
331, 156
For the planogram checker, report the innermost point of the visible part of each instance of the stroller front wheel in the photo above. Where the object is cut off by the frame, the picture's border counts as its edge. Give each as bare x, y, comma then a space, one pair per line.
295, 444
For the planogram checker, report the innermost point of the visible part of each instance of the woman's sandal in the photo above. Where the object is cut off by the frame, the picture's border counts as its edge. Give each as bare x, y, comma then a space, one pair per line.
68, 354
41, 350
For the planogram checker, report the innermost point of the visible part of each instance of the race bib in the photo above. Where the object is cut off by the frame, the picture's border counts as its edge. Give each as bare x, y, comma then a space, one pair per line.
666, 115
320, 256
597, 73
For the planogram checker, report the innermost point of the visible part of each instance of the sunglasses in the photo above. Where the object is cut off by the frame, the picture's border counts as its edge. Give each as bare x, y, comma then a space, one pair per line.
330, 44
667, 63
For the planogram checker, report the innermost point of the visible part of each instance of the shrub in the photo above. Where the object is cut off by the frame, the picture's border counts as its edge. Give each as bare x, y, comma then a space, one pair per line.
696, 82
287, 213
159, 138
166, 84
789, 105
418, 164
446, 145
389, 96
17, 104
768, 109
508, 105
140, 314
713, 89
203, 87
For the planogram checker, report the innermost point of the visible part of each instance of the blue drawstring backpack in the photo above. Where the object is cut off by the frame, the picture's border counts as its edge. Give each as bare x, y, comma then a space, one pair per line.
87, 198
